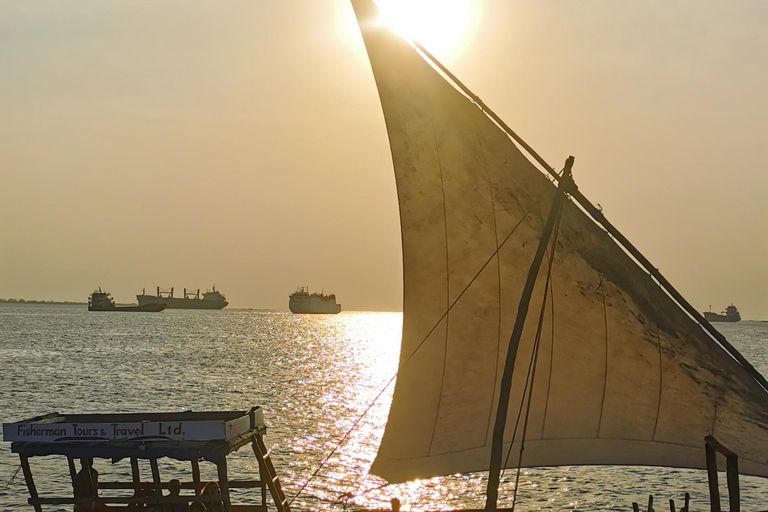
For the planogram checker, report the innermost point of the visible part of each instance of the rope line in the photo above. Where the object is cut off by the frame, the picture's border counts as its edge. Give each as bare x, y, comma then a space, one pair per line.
426, 337
13, 477
344, 438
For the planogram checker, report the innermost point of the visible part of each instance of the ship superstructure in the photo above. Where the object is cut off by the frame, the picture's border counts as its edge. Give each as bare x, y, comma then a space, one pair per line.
731, 314
212, 299
103, 301
301, 301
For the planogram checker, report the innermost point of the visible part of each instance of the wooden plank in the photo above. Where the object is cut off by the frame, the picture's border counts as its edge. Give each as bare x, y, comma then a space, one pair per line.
72, 469
714, 443
221, 466
196, 477
135, 475
156, 478
714, 490
30, 481
267, 473
732, 475
130, 499
233, 484
263, 486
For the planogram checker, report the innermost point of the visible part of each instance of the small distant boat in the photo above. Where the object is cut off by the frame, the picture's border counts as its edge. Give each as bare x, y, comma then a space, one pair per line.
212, 299
731, 314
103, 301
301, 301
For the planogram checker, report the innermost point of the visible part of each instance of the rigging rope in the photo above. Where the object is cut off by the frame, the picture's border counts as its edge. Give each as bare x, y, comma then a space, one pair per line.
344, 438
13, 477
421, 343
344, 498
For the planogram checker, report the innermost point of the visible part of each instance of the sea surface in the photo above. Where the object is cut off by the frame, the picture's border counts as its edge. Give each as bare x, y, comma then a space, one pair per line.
314, 376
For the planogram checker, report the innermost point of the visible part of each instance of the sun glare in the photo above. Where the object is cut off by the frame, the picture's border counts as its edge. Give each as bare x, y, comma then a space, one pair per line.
440, 25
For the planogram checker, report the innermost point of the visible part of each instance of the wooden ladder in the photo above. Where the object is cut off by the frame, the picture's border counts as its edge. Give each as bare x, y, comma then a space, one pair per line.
267, 473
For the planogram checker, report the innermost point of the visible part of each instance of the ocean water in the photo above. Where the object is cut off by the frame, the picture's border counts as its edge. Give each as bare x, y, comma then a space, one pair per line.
313, 375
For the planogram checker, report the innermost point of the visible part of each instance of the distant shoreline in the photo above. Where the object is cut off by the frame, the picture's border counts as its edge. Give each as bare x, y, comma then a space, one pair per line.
49, 302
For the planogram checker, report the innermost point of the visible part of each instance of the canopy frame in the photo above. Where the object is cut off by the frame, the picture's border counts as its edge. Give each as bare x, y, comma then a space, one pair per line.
150, 491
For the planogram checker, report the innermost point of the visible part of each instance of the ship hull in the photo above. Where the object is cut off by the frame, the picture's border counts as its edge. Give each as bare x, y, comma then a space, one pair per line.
713, 317
145, 308
314, 307
179, 303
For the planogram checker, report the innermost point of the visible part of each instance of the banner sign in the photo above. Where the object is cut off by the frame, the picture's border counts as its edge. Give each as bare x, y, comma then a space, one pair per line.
188, 430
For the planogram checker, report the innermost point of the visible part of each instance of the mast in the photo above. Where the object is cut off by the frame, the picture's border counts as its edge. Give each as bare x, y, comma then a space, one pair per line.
624, 357
497, 445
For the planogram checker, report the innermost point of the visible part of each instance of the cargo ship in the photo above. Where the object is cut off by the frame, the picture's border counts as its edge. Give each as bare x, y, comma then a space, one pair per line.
731, 314
211, 299
103, 301
301, 301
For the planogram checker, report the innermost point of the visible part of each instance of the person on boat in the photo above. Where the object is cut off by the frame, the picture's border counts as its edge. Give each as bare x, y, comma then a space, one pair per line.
213, 488
174, 488
86, 482
142, 493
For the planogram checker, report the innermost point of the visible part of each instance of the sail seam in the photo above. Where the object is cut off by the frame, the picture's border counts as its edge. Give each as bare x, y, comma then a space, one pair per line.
488, 430
661, 377
720, 395
605, 371
426, 337
447, 290
554, 439
551, 357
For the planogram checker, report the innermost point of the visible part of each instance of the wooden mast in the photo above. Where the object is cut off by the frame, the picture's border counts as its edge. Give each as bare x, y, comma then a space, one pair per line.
497, 444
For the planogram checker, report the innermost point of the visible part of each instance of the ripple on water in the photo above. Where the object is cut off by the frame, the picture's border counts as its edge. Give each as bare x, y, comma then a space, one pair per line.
314, 376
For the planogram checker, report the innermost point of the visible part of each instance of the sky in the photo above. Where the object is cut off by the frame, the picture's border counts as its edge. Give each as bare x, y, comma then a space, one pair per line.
242, 144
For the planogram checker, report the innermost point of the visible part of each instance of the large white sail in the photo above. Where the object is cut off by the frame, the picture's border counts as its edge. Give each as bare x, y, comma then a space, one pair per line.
624, 375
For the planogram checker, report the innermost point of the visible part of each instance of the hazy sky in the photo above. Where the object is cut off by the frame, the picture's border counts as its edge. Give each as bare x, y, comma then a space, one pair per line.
242, 144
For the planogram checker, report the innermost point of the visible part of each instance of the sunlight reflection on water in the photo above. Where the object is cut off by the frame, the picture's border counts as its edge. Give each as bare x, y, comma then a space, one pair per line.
313, 375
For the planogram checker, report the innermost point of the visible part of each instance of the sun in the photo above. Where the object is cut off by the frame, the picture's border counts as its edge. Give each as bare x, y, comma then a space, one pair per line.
441, 26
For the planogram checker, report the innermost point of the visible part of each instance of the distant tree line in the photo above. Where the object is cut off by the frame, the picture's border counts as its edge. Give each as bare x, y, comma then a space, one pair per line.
24, 301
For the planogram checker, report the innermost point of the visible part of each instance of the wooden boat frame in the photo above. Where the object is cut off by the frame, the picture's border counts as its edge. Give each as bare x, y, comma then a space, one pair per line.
214, 435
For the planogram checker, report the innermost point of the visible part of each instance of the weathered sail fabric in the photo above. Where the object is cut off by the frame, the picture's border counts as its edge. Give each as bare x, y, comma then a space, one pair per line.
624, 376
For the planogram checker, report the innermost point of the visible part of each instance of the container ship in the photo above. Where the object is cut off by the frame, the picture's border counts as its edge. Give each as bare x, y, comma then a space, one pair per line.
731, 314
301, 301
103, 301
211, 299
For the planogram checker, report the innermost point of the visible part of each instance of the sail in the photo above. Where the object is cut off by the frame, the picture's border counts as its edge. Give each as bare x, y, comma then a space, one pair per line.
624, 375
